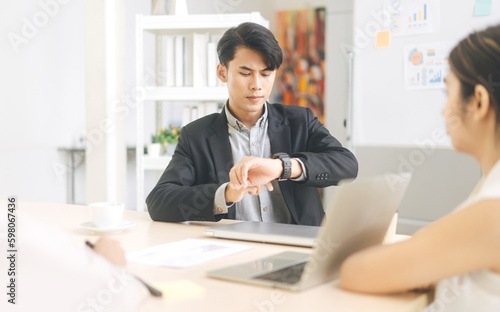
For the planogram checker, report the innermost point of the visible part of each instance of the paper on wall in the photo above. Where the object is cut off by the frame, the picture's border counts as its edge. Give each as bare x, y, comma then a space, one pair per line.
426, 65
412, 17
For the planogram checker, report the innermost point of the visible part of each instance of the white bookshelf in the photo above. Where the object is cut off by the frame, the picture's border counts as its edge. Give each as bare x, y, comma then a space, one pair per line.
177, 24
162, 25
185, 93
156, 163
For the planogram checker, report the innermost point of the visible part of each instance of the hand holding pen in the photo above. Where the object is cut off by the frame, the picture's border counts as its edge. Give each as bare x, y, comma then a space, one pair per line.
112, 250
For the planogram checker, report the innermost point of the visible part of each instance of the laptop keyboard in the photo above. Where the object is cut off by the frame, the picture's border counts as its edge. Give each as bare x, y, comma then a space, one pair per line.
288, 275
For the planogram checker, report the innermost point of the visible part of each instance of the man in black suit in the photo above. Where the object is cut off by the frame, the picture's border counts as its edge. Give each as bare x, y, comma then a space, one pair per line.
222, 161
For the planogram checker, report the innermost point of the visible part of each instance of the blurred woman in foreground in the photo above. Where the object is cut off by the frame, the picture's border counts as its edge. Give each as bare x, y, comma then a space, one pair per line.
459, 253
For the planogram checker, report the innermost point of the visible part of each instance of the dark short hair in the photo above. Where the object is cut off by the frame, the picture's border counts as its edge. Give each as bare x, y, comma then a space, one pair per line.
253, 36
476, 60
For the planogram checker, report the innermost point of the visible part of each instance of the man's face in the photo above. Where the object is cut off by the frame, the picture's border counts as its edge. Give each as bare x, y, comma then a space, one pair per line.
249, 82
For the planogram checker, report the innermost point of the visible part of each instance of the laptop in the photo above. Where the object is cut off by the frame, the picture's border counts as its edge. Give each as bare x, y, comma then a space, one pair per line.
267, 232
360, 214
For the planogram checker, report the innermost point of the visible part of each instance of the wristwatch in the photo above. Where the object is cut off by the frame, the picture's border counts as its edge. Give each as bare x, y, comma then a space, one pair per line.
287, 165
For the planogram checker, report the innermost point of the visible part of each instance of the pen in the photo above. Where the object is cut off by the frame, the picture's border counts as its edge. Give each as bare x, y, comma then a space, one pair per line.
153, 291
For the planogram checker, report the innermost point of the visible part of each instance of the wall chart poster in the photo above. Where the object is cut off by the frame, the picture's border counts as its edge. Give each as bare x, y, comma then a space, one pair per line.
301, 79
426, 65
412, 17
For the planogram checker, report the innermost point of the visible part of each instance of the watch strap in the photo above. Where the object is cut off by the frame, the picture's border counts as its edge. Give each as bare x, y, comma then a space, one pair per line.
287, 165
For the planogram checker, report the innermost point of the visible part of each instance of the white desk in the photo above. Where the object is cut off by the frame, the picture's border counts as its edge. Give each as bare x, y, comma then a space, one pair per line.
219, 295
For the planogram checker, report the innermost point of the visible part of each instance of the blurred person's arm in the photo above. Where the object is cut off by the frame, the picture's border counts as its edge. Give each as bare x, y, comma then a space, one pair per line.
53, 264
461, 242
111, 250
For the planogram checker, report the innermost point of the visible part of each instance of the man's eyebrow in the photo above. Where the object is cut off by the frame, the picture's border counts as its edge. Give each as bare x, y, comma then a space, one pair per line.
246, 68
249, 69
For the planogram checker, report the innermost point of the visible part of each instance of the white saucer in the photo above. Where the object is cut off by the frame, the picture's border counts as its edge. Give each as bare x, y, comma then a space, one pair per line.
91, 227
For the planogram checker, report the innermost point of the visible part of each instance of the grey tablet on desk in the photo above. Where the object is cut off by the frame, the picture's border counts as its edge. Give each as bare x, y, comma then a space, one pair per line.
267, 232
359, 217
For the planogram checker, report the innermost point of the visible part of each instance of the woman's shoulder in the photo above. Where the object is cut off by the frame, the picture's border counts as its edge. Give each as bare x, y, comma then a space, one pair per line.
491, 184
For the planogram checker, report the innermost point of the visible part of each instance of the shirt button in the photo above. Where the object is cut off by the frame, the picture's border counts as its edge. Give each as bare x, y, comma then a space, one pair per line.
254, 143
265, 209
219, 209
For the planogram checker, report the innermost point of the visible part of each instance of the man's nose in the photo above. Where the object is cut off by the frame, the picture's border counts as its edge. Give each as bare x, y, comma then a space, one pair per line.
256, 83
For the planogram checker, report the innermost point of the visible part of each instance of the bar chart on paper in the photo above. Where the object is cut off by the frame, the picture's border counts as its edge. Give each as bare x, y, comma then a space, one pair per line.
418, 18
410, 17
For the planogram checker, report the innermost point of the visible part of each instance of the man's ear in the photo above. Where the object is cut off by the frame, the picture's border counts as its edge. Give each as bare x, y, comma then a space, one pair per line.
222, 72
480, 102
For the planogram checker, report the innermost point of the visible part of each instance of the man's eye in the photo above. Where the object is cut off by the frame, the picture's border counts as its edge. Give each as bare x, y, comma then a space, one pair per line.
245, 74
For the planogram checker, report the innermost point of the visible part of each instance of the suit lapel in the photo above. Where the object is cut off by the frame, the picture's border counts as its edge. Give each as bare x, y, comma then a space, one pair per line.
281, 142
221, 148
279, 132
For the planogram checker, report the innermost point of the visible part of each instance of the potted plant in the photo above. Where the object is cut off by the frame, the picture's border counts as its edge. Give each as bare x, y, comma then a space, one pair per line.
169, 138
156, 142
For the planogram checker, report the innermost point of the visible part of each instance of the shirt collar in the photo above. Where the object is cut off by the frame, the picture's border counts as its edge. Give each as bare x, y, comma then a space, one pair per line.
238, 125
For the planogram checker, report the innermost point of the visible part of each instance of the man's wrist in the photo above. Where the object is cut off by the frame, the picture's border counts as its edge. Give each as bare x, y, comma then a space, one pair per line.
297, 169
220, 204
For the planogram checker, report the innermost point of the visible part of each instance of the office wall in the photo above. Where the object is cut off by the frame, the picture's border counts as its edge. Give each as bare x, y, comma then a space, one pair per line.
41, 103
441, 179
379, 80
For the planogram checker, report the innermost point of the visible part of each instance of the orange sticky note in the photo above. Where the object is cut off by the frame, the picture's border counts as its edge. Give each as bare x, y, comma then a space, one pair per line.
383, 39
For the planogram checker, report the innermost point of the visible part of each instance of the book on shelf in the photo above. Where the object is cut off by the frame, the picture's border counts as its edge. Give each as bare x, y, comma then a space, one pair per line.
215, 39
169, 64
179, 60
200, 42
212, 62
188, 60
186, 114
192, 112
189, 113
207, 108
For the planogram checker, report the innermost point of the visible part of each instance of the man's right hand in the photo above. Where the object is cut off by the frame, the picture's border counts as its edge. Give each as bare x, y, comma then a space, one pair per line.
111, 250
235, 193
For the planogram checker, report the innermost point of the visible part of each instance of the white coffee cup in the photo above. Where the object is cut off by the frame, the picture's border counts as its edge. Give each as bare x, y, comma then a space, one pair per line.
106, 214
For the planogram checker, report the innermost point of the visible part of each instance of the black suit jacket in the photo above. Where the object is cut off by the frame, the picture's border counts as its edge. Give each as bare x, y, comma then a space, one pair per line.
203, 158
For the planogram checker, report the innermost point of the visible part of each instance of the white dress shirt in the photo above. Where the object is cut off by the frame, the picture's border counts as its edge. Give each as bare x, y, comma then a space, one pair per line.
267, 206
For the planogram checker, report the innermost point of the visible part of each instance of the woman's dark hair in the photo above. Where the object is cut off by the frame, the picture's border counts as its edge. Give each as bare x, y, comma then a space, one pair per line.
254, 37
476, 60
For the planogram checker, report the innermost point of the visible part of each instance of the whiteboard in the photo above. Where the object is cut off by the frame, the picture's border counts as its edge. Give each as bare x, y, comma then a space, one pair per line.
385, 112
